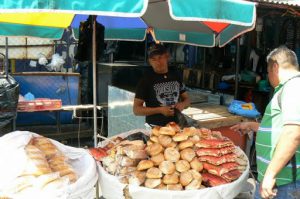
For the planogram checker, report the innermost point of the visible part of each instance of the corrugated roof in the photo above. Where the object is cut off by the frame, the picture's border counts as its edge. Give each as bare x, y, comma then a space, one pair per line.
281, 2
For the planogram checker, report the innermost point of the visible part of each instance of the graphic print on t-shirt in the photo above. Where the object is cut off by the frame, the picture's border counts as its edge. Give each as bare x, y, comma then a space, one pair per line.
167, 93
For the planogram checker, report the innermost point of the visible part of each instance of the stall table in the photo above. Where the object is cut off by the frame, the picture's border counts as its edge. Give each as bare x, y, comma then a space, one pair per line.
217, 117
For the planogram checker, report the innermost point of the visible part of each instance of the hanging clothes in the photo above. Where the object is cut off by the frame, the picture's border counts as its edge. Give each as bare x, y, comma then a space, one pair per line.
85, 50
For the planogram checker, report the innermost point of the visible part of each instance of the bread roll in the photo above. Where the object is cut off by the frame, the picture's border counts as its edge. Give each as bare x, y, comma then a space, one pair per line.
167, 167
185, 144
173, 145
157, 159
154, 138
191, 131
171, 179
154, 149
175, 187
126, 170
171, 154
166, 131
137, 178
187, 154
152, 183
155, 131
195, 184
136, 154
72, 177
182, 165
154, 173
45, 145
196, 175
42, 180
126, 161
144, 164
180, 137
36, 162
162, 187
195, 138
174, 126
164, 140
186, 178
196, 164
149, 142
139, 144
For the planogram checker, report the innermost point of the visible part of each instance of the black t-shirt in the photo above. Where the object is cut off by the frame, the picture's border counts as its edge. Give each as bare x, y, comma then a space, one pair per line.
159, 90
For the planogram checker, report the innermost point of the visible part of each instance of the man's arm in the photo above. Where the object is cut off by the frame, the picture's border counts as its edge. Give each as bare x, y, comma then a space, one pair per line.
185, 101
141, 110
287, 145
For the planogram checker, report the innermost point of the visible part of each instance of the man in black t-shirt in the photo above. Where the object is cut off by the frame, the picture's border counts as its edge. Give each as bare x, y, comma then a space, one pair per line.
160, 90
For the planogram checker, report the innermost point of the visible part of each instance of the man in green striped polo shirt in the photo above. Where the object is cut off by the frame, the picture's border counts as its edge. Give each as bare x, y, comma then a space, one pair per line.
278, 134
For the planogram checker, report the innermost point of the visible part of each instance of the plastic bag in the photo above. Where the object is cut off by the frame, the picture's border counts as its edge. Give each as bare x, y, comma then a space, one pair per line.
9, 95
244, 109
56, 63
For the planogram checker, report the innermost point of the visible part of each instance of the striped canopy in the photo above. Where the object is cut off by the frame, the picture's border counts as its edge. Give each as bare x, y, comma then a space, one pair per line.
204, 23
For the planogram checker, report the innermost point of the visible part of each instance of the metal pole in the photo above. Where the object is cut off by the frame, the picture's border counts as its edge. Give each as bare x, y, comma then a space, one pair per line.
94, 82
6, 56
237, 68
203, 68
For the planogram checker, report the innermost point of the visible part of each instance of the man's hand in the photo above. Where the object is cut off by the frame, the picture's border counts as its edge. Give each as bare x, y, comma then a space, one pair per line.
167, 111
180, 106
245, 127
267, 185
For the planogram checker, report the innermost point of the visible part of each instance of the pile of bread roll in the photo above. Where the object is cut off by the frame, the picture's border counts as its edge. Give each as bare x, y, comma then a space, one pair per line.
123, 158
172, 164
46, 168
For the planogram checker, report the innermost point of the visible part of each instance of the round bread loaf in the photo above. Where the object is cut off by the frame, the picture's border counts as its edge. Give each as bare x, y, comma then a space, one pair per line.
157, 159
174, 126
195, 184
155, 131
196, 175
162, 186
167, 167
190, 131
185, 144
171, 179
186, 178
166, 131
172, 154
196, 164
164, 140
154, 138
154, 149
144, 164
152, 183
187, 154
180, 137
182, 165
154, 173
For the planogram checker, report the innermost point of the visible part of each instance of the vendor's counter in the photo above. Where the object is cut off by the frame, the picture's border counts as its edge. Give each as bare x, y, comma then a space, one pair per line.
217, 117
212, 115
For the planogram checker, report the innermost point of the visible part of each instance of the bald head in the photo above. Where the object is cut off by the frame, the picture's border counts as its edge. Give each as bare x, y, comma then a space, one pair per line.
284, 57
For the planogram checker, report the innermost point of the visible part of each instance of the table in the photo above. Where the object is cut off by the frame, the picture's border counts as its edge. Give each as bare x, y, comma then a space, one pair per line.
73, 108
217, 117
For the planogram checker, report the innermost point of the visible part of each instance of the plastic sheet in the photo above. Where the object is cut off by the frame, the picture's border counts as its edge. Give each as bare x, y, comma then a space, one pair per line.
13, 159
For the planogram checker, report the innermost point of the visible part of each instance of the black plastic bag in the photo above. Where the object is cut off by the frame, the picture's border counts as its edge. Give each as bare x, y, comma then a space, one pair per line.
9, 96
185, 121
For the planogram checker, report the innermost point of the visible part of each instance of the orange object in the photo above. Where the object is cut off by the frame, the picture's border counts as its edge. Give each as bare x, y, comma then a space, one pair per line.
39, 104
236, 138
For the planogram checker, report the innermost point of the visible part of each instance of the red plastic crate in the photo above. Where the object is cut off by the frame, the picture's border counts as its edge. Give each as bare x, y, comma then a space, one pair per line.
39, 104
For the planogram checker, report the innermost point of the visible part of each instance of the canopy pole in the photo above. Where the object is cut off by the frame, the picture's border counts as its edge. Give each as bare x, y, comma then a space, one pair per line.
94, 81
6, 56
237, 68
203, 68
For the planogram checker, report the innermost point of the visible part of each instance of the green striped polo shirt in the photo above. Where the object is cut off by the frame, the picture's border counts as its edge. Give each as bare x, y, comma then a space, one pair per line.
270, 129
